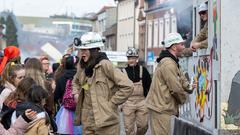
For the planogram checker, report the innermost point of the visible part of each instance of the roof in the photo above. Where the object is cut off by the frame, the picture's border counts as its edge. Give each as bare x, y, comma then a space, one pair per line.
46, 21
104, 8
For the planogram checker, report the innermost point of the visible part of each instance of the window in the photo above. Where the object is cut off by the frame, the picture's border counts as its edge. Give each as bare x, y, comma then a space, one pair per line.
195, 21
167, 26
85, 28
174, 24
166, 23
155, 34
160, 31
75, 27
149, 34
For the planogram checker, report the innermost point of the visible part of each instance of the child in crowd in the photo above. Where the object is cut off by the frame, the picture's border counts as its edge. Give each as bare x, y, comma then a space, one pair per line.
16, 97
21, 124
35, 70
66, 115
20, 95
36, 99
12, 75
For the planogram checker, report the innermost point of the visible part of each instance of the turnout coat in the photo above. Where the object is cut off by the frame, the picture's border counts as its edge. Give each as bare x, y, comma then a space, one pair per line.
108, 88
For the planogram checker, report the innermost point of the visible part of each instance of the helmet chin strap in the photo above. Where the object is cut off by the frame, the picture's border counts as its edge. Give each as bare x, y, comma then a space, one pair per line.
132, 65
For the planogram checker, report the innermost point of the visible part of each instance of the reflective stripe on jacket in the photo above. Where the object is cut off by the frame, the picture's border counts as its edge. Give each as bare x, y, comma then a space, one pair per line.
109, 87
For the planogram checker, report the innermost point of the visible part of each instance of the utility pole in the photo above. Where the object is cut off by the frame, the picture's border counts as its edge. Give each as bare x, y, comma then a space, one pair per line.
134, 22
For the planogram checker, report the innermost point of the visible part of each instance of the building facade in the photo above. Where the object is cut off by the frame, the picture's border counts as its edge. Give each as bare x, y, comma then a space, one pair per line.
2, 37
56, 25
107, 27
125, 24
141, 18
163, 17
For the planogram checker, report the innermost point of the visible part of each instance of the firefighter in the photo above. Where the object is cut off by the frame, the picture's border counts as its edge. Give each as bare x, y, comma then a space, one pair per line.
134, 109
201, 40
169, 88
99, 88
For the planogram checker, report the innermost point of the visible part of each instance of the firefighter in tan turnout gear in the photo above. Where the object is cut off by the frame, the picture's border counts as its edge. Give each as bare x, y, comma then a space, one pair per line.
134, 109
169, 88
201, 40
99, 88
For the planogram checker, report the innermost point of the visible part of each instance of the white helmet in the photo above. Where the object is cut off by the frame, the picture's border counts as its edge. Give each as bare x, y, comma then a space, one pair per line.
89, 40
132, 52
202, 7
173, 38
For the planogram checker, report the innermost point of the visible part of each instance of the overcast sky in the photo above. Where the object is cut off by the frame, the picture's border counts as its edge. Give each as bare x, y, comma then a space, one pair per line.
50, 7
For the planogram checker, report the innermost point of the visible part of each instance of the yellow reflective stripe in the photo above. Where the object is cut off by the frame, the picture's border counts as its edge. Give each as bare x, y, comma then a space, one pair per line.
86, 86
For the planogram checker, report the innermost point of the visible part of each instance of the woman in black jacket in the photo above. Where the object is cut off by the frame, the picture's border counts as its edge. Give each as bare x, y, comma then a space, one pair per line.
65, 116
68, 73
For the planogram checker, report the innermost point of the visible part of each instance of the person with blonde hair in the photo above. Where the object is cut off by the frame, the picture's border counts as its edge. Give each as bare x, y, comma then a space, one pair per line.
35, 70
12, 75
16, 97
19, 95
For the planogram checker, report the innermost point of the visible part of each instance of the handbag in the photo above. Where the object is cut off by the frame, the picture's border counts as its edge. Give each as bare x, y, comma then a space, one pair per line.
68, 99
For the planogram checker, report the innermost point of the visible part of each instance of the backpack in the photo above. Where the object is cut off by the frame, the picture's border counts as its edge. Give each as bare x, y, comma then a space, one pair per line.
68, 99
6, 117
2, 87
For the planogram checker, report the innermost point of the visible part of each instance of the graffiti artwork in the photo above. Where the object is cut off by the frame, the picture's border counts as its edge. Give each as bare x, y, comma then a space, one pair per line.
232, 112
203, 92
215, 22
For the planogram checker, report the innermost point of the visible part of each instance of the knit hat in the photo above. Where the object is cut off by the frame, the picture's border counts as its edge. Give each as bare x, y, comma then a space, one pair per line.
10, 52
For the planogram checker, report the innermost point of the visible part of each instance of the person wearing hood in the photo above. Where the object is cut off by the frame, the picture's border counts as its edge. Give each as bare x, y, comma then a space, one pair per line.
134, 109
99, 88
201, 40
169, 88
